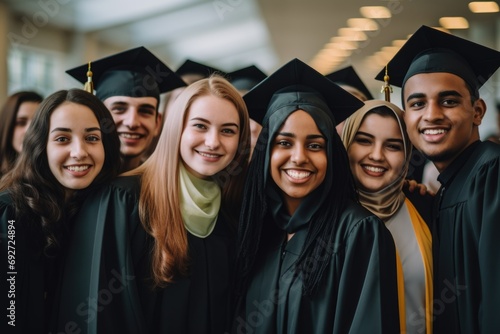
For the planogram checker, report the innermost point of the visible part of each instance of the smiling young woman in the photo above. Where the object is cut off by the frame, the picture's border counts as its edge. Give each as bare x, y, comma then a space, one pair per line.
68, 153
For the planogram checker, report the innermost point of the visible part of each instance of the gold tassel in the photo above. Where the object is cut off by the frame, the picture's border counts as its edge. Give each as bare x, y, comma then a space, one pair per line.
386, 88
89, 85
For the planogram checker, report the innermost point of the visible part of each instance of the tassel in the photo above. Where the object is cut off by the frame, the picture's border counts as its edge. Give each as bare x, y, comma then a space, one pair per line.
89, 85
386, 88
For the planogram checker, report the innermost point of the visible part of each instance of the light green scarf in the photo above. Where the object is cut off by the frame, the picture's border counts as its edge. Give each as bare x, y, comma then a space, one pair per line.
200, 203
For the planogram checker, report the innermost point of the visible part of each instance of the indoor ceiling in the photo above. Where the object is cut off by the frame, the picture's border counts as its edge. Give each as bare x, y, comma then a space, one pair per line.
230, 34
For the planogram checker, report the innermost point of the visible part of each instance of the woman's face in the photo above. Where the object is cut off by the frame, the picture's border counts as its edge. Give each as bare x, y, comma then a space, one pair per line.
376, 154
23, 120
210, 137
75, 151
298, 158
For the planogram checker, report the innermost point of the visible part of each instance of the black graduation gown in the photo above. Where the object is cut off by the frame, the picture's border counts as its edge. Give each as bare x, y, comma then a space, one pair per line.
358, 293
467, 244
26, 278
107, 285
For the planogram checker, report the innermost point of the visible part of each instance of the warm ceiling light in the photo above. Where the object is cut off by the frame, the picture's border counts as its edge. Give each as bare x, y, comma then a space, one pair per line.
344, 43
375, 12
442, 29
351, 34
483, 7
363, 24
455, 22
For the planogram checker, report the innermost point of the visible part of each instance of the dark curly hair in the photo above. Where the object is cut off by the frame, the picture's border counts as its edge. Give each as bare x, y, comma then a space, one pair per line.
38, 198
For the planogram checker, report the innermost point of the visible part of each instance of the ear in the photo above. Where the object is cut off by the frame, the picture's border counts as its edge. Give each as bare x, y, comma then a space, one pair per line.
479, 108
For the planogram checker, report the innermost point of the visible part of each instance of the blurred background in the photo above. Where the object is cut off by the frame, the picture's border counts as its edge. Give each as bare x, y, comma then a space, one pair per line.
43, 38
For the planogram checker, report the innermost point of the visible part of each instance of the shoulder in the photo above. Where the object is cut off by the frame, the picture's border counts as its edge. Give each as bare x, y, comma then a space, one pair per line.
355, 216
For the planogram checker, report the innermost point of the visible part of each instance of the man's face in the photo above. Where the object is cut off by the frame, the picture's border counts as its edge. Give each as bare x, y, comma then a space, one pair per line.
440, 117
137, 122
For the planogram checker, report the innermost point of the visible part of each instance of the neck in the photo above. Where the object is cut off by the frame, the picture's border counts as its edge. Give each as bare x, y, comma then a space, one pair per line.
130, 163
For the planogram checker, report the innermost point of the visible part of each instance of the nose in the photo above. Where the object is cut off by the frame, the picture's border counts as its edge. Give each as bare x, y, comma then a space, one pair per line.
212, 140
432, 113
131, 119
78, 150
299, 155
377, 153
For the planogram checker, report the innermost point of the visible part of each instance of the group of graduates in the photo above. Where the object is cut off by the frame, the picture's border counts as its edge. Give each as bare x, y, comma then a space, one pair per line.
283, 207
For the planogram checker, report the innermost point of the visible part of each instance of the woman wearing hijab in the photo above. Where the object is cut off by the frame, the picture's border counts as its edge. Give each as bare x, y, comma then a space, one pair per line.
379, 154
310, 259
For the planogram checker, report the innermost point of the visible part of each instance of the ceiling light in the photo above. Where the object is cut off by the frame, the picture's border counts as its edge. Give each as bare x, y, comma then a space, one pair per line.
363, 24
375, 12
455, 22
483, 7
352, 34
344, 43
399, 42
442, 29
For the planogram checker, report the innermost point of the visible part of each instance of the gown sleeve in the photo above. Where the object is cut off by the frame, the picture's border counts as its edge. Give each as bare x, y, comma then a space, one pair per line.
485, 208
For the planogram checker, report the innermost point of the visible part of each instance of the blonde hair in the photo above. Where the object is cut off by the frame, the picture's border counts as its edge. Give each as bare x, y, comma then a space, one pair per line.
159, 206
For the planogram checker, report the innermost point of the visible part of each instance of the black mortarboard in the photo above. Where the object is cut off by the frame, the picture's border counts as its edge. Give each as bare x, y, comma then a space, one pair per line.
348, 76
296, 73
430, 50
135, 73
246, 78
193, 67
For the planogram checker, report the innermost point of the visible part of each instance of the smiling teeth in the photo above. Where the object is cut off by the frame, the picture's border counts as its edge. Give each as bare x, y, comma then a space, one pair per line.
434, 131
77, 168
130, 136
297, 175
209, 155
374, 169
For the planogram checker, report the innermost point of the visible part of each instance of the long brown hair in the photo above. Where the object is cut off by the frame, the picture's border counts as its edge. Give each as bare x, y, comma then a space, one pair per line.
159, 204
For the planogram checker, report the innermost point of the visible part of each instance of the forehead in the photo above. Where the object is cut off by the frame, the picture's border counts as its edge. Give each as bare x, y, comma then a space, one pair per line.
72, 115
432, 83
299, 121
380, 125
133, 101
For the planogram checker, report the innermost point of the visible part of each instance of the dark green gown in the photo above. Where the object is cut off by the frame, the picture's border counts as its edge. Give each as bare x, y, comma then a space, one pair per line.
358, 293
467, 244
33, 275
107, 285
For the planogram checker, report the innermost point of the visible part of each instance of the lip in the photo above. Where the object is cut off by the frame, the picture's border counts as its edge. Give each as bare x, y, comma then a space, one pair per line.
78, 170
373, 170
209, 156
434, 134
298, 176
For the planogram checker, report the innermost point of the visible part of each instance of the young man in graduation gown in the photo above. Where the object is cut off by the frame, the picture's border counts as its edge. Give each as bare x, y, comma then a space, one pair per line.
440, 75
130, 83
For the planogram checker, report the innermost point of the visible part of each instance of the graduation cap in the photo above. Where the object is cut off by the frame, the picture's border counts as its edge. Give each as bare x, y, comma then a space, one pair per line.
246, 78
193, 67
430, 50
135, 73
348, 76
305, 79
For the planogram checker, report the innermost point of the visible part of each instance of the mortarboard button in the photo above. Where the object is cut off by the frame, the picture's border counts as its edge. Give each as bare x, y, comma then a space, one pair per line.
135, 73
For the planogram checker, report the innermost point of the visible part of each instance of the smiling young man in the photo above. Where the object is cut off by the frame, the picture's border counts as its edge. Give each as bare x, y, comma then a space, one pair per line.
130, 83
440, 75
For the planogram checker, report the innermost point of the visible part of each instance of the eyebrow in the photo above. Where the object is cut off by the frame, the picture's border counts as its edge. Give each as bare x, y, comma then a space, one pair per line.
69, 130
440, 94
292, 135
123, 104
372, 136
207, 121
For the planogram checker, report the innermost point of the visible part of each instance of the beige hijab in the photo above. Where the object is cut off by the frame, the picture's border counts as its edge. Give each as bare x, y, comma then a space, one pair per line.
385, 202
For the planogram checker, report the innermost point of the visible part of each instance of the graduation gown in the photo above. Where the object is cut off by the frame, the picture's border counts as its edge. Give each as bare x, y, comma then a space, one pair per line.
107, 285
26, 282
467, 243
357, 294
